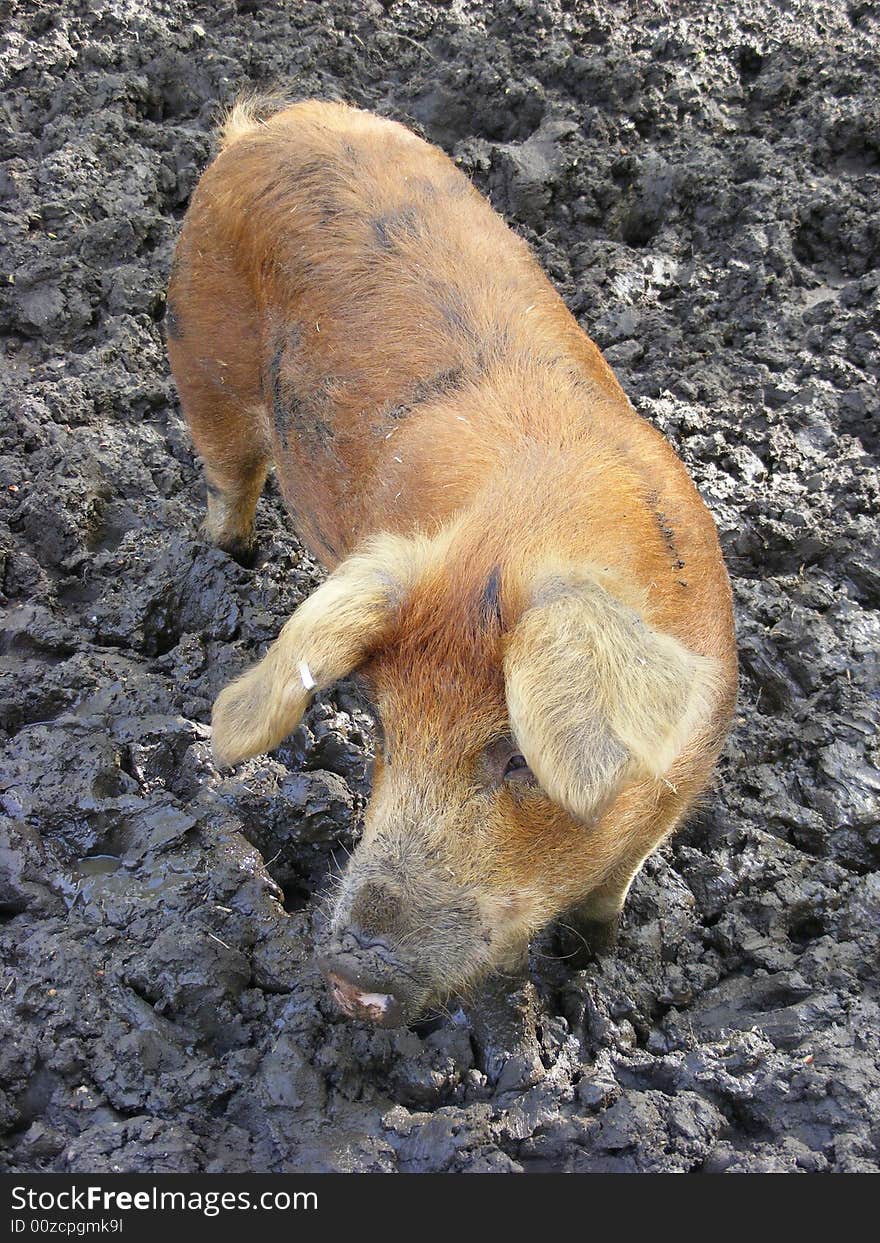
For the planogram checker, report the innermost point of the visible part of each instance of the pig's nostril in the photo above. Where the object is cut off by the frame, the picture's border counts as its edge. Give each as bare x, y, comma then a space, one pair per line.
366, 978
355, 940
381, 1009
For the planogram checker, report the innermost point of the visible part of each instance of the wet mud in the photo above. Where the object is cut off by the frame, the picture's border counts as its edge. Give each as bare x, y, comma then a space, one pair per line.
701, 183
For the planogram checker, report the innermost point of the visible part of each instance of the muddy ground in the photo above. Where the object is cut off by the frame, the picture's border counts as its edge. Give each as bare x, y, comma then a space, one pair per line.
701, 182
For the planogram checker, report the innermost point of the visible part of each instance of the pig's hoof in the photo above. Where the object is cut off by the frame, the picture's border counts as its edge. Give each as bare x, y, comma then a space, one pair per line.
244, 553
242, 549
580, 941
504, 1022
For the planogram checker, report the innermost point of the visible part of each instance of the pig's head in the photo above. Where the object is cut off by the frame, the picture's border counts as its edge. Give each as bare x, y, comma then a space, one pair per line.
516, 707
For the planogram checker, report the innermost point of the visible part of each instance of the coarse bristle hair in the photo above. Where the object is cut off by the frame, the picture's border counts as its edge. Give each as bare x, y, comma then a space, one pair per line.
249, 111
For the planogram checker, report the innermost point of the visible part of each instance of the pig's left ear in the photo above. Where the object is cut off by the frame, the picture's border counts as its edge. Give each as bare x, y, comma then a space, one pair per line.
596, 697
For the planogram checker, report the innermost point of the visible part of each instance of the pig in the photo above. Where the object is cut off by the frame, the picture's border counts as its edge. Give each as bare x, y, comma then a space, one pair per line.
521, 572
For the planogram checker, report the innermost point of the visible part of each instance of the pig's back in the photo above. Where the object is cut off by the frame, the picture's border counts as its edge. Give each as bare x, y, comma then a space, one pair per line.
389, 296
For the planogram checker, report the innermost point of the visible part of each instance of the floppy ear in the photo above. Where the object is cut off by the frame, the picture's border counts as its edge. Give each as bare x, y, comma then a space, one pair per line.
330, 634
596, 697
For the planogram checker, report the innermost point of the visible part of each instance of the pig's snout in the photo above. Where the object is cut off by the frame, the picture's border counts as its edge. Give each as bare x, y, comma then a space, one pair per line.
366, 981
381, 1009
394, 947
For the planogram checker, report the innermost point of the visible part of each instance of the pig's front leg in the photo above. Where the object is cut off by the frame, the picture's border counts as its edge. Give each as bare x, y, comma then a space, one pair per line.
504, 1017
589, 930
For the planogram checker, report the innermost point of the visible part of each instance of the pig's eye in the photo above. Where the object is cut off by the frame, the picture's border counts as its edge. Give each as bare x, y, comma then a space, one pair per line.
504, 765
516, 769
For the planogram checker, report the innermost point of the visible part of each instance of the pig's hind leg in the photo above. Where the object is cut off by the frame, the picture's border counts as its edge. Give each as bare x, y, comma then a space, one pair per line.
233, 490
214, 358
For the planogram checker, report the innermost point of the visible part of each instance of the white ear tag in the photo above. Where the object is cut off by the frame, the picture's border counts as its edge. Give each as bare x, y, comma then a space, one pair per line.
305, 674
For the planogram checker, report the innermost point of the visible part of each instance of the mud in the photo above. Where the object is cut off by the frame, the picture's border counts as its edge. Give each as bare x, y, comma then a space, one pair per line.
701, 182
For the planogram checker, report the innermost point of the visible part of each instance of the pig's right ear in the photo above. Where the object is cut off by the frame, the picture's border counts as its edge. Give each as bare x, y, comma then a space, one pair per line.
329, 635
596, 697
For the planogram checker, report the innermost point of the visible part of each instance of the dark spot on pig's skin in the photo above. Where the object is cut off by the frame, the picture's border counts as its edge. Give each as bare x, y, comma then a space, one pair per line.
490, 601
421, 393
423, 186
325, 543
172, 323
314, 415
457, 187
667, 532
293, 175
438, 385
280, 411
306, 415
328, 211
313, 169
393, 227
455, 313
